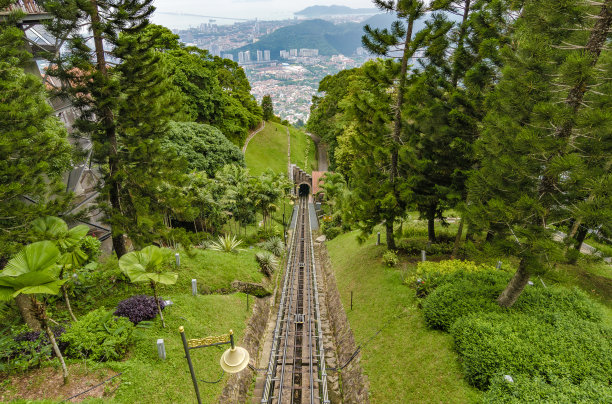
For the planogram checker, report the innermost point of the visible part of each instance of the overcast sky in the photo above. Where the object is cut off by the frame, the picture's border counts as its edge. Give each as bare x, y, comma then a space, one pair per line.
261, 9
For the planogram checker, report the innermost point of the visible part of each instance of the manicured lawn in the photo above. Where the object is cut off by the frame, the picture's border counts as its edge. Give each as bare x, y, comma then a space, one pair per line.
268, 149
406, 362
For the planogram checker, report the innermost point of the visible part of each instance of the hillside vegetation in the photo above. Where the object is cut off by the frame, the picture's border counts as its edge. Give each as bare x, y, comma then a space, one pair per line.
268, 150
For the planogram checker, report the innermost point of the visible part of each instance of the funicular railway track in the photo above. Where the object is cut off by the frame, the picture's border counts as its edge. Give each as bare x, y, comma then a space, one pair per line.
296, 367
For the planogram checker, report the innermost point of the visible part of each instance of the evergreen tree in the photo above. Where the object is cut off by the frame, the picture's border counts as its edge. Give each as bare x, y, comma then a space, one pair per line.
390, 42
542, 146
267, 107
124, 100
34, 151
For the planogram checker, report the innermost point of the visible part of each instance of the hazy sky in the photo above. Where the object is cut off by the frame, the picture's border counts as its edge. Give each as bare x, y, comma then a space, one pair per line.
261, 9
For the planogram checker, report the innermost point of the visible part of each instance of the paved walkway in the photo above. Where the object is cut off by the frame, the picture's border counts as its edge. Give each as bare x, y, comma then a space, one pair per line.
246, 143
321, 152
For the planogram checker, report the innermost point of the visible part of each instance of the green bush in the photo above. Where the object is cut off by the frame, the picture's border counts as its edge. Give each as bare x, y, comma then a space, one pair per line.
430, 275
390, 258
491, 344
415, 246
547, 303
274, 245
99, 336
525, 389
461, 295
331, 231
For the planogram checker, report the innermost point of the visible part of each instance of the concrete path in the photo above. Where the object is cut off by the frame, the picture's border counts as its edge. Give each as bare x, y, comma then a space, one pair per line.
321, 152
246, 143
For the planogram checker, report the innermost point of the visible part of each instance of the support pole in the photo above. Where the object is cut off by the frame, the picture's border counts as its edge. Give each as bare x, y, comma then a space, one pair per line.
193, 376
378, 238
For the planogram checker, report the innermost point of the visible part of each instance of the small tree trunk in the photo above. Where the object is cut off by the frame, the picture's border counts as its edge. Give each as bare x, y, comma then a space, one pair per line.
41, 312
457, 240
390, 236
24, 304
431, 230
580, 236
515, 287
159, 310
65, 293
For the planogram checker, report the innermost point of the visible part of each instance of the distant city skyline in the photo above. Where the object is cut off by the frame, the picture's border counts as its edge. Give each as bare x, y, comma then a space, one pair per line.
247, 9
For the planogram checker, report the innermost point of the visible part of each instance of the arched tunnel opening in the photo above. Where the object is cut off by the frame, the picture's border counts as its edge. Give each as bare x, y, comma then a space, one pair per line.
304, 190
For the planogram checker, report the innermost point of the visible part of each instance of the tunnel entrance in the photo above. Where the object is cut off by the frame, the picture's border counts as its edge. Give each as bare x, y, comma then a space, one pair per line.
304, 190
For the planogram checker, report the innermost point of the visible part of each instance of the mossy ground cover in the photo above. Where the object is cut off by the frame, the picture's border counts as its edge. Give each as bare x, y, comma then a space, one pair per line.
145, 378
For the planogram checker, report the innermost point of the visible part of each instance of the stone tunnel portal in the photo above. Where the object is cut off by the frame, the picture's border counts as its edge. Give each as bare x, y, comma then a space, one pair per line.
304, 190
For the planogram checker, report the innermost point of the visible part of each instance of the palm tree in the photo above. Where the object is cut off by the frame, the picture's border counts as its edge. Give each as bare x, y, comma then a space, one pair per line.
146, 266
68, 241
34, 270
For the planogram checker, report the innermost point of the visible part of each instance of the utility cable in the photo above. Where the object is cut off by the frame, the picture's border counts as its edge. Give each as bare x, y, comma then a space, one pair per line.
91, 388
216, 381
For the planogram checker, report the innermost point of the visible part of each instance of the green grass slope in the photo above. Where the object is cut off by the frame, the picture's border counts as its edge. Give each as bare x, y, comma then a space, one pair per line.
268, 149
303, 150
406, 362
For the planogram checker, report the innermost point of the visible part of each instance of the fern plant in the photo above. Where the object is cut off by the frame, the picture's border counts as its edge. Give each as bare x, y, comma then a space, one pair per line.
226, 243
267, 262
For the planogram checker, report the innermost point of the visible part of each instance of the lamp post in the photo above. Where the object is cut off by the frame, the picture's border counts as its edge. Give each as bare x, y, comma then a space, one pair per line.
233, 359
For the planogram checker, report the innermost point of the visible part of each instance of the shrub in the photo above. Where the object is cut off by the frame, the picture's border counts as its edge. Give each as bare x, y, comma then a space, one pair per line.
91, 246
532, 390
491, 344
226, 243
430, 275
269, 232
99, 336
415, 246
390, 258
267, 263
331, 231
138, 308
23, 349
547, 303
463, 294
275, 245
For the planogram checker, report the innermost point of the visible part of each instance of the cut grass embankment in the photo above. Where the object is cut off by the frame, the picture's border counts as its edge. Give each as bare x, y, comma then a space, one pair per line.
406, 362
303, 150
268, 149
146, 378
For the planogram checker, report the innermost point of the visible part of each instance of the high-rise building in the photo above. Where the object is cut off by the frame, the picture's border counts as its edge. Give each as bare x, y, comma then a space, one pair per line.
228, 56
259, 56
240, 57
293, 52
266, 55
309, 52
284, 54
247, 56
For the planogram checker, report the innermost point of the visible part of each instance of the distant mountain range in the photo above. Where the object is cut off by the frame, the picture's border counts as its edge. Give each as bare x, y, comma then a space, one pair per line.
329, 38
318, 11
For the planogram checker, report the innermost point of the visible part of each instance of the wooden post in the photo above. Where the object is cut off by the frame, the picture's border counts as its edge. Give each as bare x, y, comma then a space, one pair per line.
378, 238
352, 297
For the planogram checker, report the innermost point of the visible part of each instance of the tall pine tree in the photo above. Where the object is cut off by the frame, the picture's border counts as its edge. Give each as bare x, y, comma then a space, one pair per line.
539, 166
124, 104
